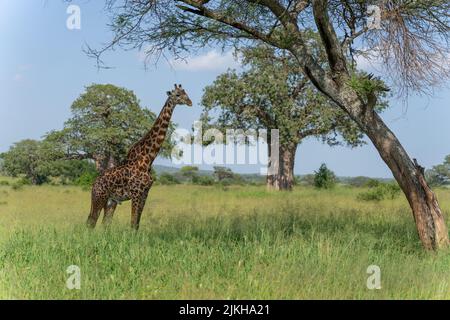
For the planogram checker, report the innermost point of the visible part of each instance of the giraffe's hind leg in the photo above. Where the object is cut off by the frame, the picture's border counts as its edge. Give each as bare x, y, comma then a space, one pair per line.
110, 207
98, 202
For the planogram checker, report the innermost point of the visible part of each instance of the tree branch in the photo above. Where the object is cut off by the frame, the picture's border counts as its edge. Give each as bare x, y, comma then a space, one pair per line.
298, 7
197, 8
261, 114
329, 38
279, 11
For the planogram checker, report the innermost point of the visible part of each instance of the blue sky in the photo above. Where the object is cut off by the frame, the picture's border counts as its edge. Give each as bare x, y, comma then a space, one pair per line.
43, 69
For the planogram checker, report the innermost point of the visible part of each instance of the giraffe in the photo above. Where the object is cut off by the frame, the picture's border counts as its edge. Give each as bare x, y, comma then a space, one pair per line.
132, 180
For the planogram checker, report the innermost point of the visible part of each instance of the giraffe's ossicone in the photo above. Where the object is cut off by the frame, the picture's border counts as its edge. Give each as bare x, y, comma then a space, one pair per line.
132, 180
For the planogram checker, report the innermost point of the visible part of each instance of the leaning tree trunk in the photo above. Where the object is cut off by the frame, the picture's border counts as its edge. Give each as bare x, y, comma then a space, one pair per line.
427, 214
428, 217
284, 180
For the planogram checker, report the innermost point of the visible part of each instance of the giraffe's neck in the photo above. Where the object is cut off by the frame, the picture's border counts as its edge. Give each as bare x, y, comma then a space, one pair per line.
145, 151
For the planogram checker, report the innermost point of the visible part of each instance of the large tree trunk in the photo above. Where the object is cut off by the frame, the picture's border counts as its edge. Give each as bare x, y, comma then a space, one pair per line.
427, 214
284, 180
428, 217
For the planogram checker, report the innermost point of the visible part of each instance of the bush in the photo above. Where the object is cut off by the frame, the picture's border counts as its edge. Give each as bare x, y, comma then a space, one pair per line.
373, 183
380, 192
222, 173
324, 178
86, 180
16, 186
4, 183
167, 179
24, 181
20, 183
203, 180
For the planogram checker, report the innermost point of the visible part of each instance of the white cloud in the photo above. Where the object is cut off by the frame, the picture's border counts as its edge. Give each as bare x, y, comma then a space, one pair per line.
211, 61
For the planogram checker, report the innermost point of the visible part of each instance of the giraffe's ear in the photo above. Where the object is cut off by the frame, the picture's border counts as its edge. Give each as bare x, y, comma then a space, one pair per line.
168, 93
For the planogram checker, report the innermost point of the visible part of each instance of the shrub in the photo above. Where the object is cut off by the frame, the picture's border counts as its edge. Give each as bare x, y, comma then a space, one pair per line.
203, 180
167, 179
24, 181
4, 183
222, 173
324, 178
17, 186
373, 183
380, 192
86, 180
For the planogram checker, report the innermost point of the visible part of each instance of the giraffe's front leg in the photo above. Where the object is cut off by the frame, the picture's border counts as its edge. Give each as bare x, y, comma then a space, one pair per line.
137, 205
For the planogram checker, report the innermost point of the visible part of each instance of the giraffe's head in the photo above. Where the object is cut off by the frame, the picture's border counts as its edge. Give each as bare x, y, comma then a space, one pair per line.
179, 96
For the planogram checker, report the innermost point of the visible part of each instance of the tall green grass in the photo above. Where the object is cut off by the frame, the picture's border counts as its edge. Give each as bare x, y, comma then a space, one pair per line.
212, 242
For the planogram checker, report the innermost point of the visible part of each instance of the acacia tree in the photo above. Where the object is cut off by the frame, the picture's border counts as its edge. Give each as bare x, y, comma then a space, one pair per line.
106, 120
272, 93
412, 42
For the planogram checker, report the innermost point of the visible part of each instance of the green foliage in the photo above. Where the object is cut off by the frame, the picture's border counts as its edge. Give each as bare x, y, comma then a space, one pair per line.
203, 180
86, 180
324, 178
19, 184
167, 179
439, 175
189, 172
270, 93
29, 158
222, 173
373, 183
38, 161
366, 85
73, 171
380, 192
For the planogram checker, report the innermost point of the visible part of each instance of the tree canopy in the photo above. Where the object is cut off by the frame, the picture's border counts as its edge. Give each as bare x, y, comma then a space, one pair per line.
411, 40
272, 93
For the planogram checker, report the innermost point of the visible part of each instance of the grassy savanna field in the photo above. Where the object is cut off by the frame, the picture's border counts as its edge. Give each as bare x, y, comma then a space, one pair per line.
217, 243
